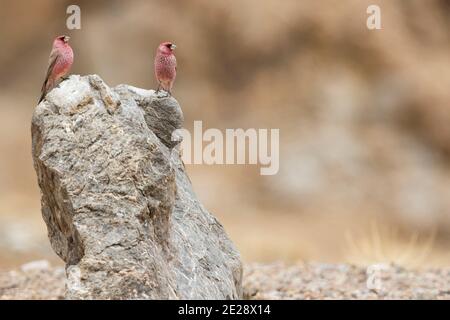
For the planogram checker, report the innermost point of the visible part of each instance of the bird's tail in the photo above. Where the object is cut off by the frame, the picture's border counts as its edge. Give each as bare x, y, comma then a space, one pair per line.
42, 97
43, 91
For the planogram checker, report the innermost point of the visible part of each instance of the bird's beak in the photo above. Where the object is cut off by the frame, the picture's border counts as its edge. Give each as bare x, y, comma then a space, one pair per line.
66, 39
173, 46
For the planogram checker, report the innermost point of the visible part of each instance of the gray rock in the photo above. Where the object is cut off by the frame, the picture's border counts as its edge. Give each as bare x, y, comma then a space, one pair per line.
119, 207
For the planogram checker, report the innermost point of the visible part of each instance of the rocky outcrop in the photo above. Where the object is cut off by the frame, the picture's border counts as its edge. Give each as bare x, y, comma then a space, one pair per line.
119, 207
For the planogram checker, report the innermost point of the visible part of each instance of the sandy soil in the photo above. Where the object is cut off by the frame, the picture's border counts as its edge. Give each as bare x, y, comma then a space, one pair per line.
39, 280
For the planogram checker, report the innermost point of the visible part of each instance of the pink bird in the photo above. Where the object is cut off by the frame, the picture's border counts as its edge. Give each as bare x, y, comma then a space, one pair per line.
165, 66
59, 63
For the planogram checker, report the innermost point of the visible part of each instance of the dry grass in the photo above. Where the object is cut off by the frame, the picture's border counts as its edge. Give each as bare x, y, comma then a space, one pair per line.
386, 243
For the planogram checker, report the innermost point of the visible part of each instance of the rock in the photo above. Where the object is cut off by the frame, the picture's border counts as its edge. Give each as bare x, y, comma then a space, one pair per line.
119, 207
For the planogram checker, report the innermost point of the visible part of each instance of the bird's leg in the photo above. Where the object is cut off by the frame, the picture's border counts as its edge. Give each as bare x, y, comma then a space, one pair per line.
169, 93
159, 87
62, 79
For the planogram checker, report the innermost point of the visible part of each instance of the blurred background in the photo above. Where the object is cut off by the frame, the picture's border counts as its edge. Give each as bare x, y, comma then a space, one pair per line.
364, 117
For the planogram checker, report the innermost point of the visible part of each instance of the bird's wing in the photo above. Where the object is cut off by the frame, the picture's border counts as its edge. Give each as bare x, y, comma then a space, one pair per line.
54, 55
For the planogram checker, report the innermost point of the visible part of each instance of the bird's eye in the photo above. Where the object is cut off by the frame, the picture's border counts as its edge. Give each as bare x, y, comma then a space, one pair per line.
168, 45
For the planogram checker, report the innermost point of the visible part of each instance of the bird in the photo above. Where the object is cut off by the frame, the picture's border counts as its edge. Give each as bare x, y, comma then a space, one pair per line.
165, 66
59, 63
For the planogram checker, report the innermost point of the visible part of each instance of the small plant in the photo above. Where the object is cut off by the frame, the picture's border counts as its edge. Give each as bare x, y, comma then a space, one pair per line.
386, 244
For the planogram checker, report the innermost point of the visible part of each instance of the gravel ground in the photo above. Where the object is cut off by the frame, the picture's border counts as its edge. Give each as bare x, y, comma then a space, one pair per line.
340, 281
38, 280
34, 280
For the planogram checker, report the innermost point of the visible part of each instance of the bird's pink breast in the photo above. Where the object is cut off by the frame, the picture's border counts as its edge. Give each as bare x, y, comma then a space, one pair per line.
165, 67
64, 61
